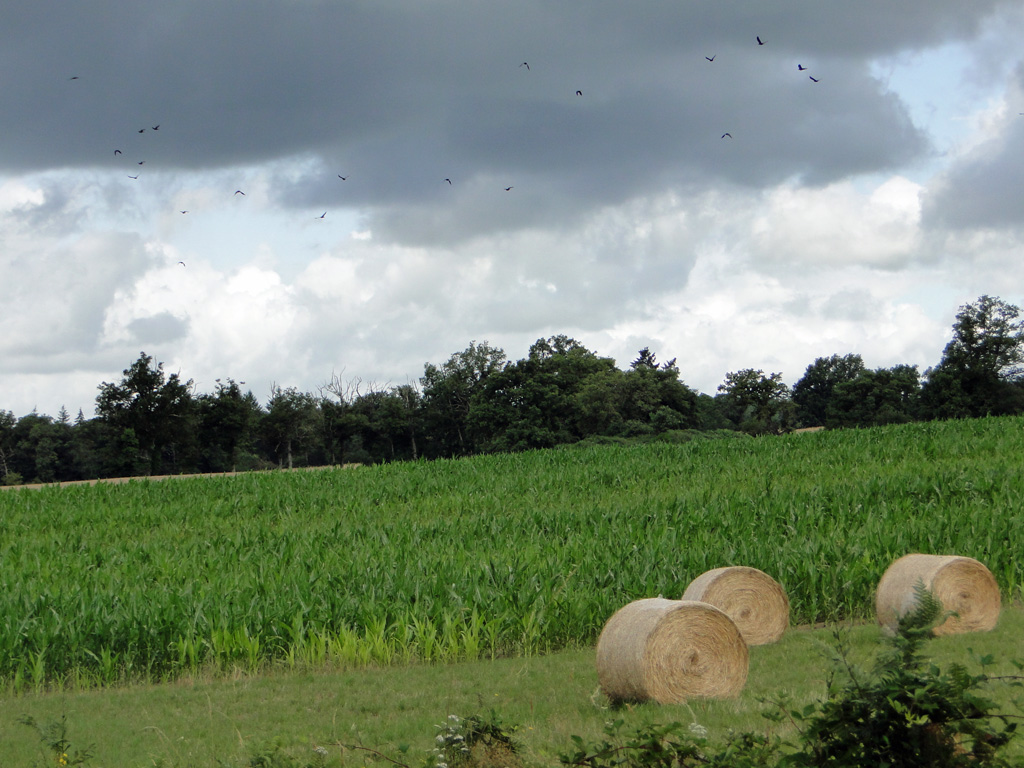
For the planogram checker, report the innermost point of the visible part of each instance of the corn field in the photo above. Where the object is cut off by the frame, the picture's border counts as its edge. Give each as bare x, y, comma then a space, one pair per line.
481, 557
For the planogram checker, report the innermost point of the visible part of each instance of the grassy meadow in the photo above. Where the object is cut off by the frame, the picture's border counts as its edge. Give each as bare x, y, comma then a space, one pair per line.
479, 558
278, 718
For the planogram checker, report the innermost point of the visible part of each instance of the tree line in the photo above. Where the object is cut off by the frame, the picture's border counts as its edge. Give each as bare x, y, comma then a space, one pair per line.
477, 401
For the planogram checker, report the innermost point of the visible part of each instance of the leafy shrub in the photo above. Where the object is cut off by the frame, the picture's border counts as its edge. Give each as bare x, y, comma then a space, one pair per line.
475, 741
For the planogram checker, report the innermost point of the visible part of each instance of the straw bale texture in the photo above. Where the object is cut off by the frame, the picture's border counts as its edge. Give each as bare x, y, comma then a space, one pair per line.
962, 584
756, 602
670, 651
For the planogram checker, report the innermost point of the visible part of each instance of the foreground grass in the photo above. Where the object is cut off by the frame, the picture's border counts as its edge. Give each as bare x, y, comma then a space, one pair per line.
484, 557
212, 721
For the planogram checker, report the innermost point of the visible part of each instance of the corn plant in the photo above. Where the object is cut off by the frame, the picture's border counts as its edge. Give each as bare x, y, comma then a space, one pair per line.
484, 556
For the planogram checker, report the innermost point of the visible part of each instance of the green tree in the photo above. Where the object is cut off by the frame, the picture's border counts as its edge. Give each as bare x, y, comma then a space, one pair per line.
654, 395
94, 451
290, 425
7, 424
227, 425
156, 408
447, 392
713, 412
389, 421
813, 392
758, 404
882, 396
534, 403
981, 368
42, 452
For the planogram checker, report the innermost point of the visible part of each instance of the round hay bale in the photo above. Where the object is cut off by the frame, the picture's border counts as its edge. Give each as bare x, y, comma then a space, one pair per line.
962, 584
756, 603
670, 651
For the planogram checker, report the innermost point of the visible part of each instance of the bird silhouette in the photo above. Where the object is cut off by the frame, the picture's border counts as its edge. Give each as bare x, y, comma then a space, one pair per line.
726, 134
142, 162
73, 78
343, 178
142, 130
507, 188
800, 67
182, 263
240, 192
449, 181
117, 152
322, 215
579, 93
184, 212
710, 58
524, 64
813, 78
156, 127
133, 177
759, 40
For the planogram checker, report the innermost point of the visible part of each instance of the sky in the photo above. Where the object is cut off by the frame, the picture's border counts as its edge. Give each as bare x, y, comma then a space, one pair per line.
294, 192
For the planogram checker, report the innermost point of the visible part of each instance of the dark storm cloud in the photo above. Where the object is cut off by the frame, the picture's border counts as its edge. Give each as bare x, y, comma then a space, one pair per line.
398, 96
248, 81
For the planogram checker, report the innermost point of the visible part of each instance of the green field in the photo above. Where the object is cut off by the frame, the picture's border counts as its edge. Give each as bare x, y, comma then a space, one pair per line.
229, 721
479, 558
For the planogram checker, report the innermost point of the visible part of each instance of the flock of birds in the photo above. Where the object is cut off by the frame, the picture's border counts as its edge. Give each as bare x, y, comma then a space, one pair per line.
526, 65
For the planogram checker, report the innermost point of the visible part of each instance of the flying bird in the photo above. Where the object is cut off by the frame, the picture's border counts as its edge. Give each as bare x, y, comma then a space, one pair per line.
710, 58
117, 152
813, 78
343, 178
322, 215
182, 263
240, 192
73, 78
524, 64
183, 212
507, 188
759, 40
579, 93
726, 134
800, 67
142, 162
449, 181
156, 127
142, 130
133, 177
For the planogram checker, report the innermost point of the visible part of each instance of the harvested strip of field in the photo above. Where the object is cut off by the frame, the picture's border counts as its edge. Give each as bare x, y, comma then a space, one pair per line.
486, 556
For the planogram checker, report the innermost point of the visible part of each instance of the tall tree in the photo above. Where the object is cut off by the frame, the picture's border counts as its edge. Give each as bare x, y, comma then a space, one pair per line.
654, 396
290, 424
7, 424
447, 391
814, 391
227, 424
390, 420
981, 368
757, 403
534, 403
156, 408
882, 396
42, 449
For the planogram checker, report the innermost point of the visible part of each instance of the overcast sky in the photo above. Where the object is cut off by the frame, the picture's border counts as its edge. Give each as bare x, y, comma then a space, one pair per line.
512, 171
